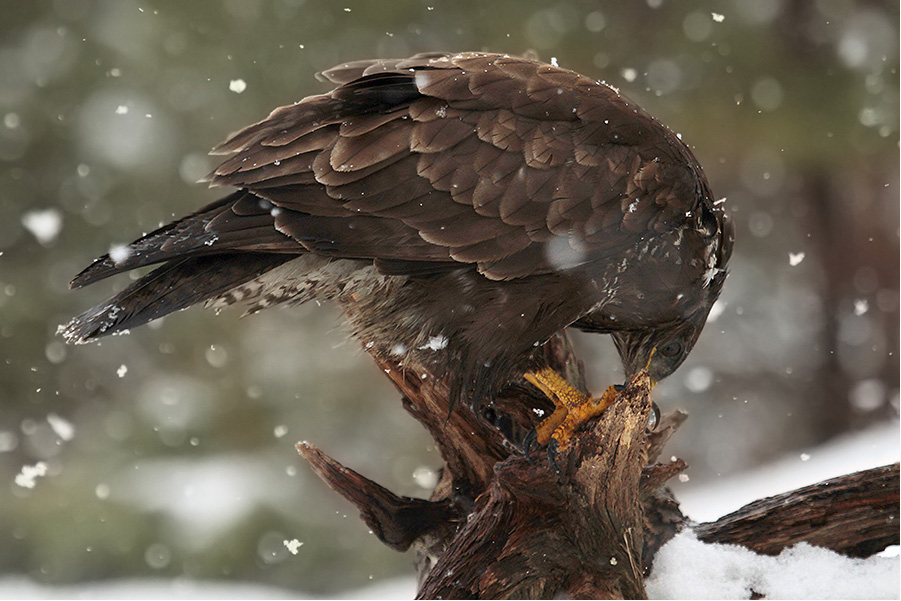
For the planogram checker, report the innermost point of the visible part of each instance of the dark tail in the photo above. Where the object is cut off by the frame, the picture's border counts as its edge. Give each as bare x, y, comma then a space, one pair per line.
175, 285
238, 222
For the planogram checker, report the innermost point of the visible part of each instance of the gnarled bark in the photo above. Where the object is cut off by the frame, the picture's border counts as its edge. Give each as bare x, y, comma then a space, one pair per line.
503, 524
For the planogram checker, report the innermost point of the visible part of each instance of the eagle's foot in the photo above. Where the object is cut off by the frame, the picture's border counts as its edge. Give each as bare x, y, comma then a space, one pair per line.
562, 434
573, 408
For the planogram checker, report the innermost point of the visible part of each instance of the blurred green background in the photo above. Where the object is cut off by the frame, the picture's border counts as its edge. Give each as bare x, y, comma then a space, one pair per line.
169, 452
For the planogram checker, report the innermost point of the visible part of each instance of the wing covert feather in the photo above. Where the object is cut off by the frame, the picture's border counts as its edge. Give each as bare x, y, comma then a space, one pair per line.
470, 158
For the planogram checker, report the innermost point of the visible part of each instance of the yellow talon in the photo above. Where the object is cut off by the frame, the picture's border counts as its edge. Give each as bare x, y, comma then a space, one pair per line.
573, 408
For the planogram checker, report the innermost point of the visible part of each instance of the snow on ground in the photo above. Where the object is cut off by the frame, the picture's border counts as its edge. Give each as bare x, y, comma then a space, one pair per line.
238, 483
871, 448
394, 588
685, 568
23, 588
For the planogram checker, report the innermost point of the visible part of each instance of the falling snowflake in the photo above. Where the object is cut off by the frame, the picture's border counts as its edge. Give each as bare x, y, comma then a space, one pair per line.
435, 343
26, 478
62, 427
44, 225
119, 253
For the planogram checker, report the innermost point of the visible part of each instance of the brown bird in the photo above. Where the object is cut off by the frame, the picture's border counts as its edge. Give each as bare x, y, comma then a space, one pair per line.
462, 209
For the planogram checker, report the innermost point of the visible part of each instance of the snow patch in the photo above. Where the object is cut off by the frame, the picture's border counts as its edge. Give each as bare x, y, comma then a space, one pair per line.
686, 568
795, 258
18, 587
237, 85
435, 343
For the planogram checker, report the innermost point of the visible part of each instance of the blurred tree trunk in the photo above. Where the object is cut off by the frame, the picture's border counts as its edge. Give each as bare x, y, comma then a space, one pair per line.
857, 263
856, 245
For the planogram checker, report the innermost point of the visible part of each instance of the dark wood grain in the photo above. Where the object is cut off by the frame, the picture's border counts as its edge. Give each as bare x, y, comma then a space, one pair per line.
856, 515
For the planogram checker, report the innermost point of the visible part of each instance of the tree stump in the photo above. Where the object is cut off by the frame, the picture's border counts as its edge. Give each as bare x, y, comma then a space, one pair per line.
582, 524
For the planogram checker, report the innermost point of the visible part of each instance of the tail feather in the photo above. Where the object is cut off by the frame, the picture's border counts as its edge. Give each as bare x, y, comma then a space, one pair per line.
175, 285
236, 222
146, 250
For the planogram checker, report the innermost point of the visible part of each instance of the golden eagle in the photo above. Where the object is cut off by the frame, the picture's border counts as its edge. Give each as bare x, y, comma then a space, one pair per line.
462, 209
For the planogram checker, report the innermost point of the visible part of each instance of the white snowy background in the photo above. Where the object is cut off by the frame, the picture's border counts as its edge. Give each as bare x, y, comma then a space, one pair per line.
162, 464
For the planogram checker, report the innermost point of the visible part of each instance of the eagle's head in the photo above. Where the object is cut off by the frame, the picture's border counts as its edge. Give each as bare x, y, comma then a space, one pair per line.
663, 349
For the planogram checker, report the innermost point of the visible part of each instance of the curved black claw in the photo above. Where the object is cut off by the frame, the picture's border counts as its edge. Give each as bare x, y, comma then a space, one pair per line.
619, 387
552, 446
528, 443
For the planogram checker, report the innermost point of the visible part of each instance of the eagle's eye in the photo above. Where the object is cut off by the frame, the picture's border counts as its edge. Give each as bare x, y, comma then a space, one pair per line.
671, 349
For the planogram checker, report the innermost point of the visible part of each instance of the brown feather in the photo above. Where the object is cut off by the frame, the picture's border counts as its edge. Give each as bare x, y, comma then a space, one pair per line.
438, 135
492, 249
365, 150
499, 129
510, 198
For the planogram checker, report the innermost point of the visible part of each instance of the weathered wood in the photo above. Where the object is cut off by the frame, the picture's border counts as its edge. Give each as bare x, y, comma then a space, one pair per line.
856, 515
396, 521
663, 518
505, 524
501, 524
576, 533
